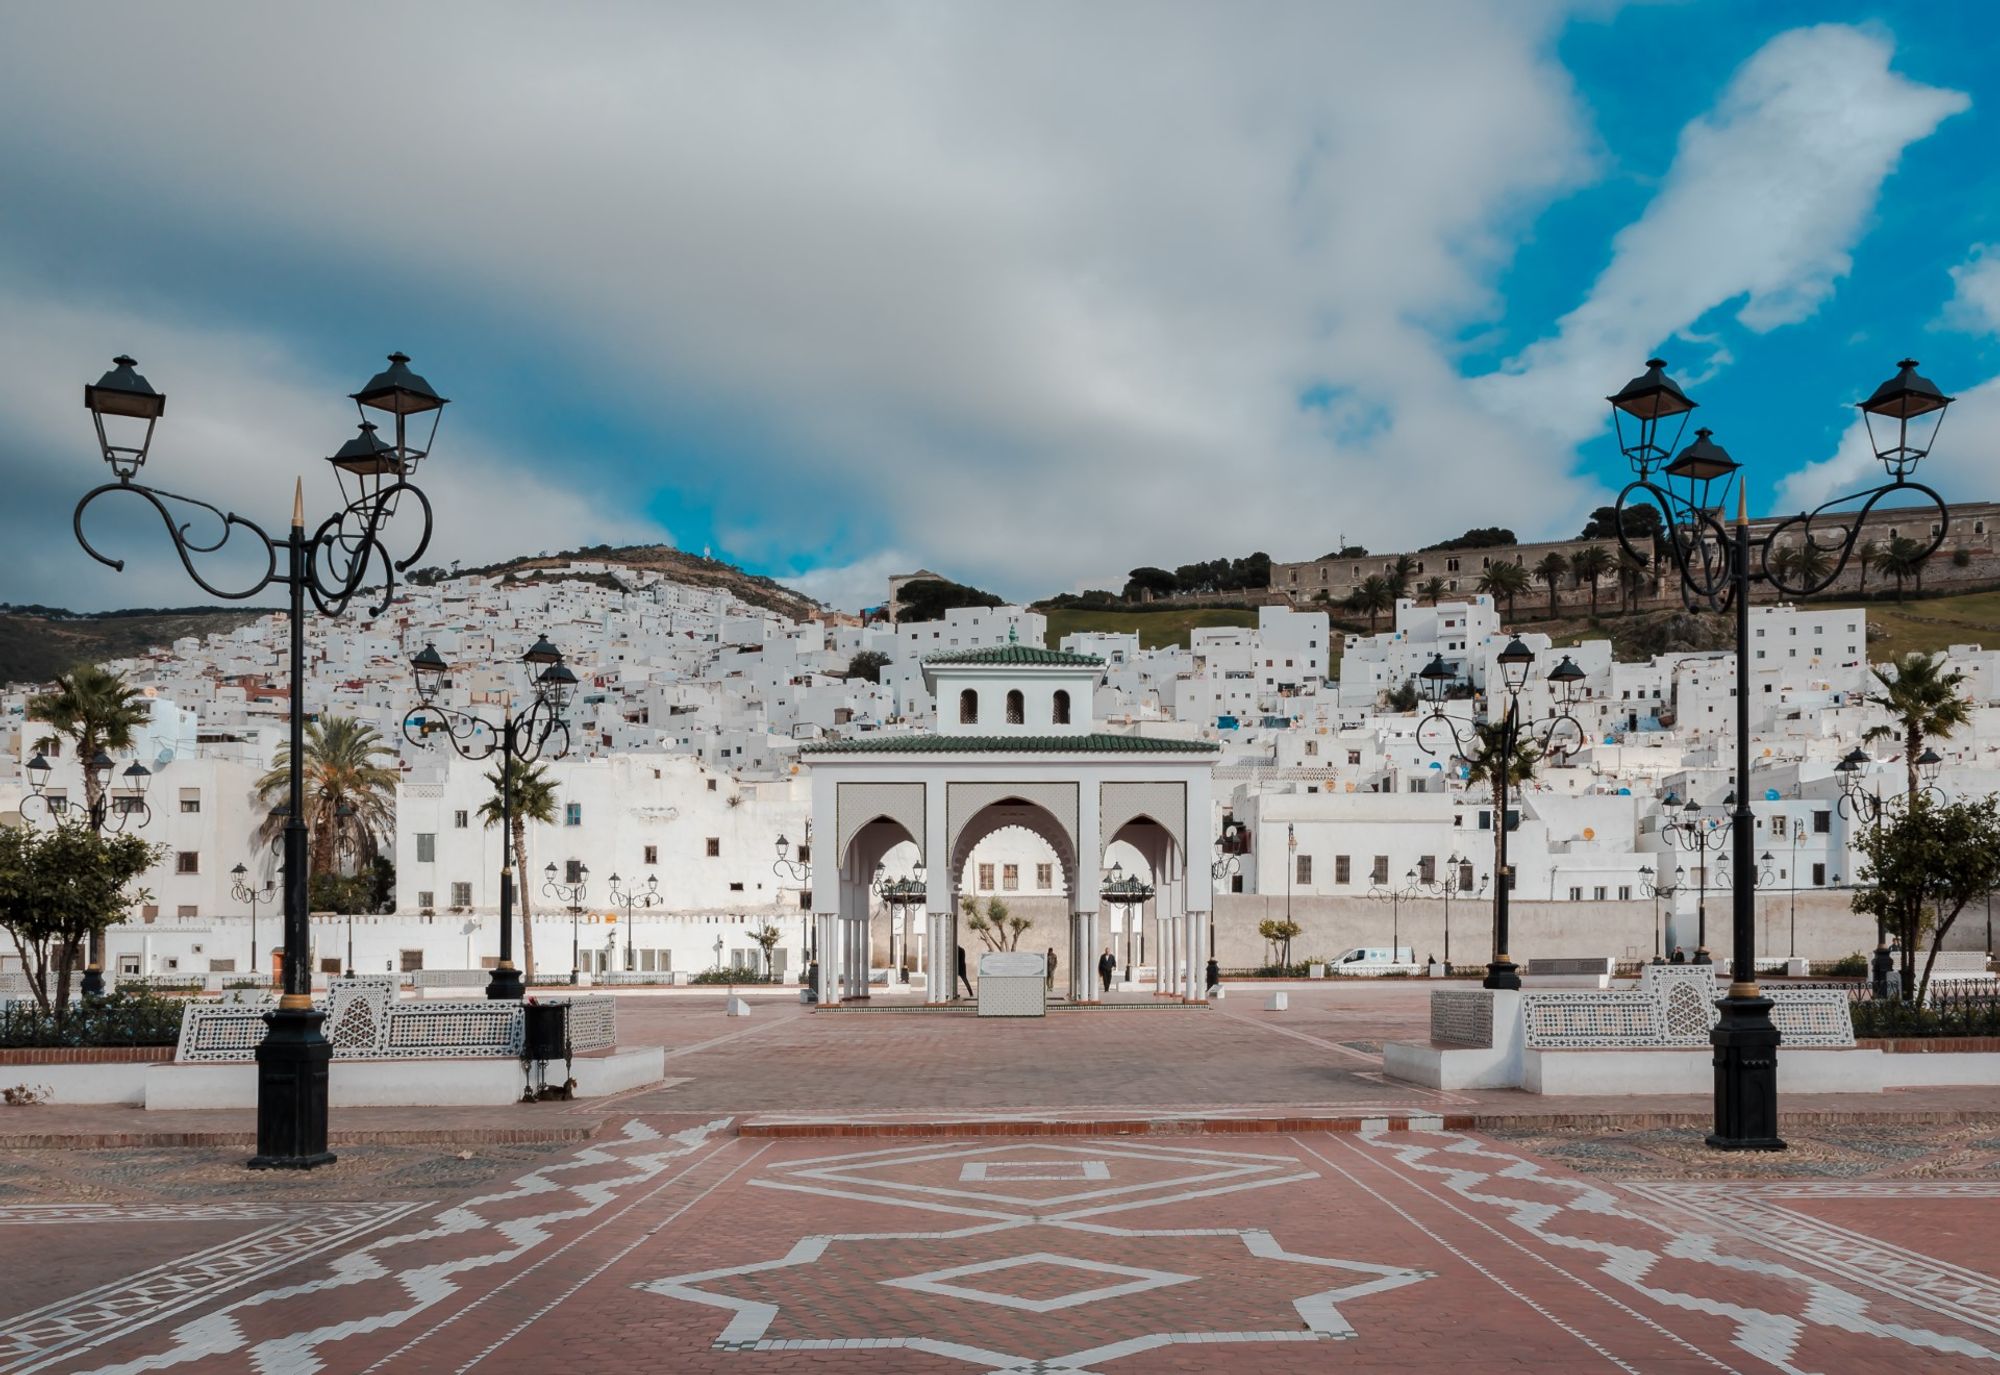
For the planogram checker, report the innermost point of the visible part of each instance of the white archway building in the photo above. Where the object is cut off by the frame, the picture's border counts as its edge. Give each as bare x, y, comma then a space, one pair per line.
1016, 745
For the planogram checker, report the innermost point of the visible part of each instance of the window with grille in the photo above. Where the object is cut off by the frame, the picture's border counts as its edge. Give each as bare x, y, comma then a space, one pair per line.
1017, 707
986, 877
1380, 873
190, 800
1045, 876
1822, 822
460, 819
968, 708
187, 862
652, 853
573, 814
1059, 708
1010, 877
461, 895
715, 847
1342, 869
1427, 868
427, 844
1305, 869
426, 897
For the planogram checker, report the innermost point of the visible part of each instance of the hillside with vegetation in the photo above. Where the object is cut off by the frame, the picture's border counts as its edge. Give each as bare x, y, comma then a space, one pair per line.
38, 642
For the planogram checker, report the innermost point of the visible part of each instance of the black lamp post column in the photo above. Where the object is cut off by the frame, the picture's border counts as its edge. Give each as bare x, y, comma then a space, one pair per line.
345, 552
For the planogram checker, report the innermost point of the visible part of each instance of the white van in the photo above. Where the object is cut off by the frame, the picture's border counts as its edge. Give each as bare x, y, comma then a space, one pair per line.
1375, 959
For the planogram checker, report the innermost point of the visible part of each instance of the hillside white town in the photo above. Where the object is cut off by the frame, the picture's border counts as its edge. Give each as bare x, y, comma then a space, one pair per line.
685, 781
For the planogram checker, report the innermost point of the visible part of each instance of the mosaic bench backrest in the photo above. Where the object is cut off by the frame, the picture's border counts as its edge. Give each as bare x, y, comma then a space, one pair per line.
367, 1023
1462, 1017
1673, 1008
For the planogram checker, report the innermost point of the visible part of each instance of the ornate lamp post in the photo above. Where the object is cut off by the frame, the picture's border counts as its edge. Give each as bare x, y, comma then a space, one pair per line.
104, 810
1716, 567
1395, 897
1128, 893
1657, 890
632, 897
1698, 832
571, 896
1498, 743
799, 870
243, 890
1456, 881
898, 896
521, 740
329, 567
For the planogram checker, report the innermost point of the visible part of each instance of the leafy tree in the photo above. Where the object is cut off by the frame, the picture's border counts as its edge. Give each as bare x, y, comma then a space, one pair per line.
344, 894
1403, 698
1869, 555
350, 795
1924, 865
1632, 575
1552, 569
868, 665
94, 709
996, 927
767, 938
1587, 565
1903, 559
533, 794
1642, 523
1922, 691
1431, 590
1279, 933
1803, 562
1144, 583
1483, 765
1479, 537
1504, 581
59, 887
1400, 573
1371, 599
1347, 551
927, 599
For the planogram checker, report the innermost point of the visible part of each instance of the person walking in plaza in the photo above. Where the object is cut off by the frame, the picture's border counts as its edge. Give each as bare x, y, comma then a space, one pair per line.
1680, 955
1107, 965
963, 977
1212, 978
1052, 969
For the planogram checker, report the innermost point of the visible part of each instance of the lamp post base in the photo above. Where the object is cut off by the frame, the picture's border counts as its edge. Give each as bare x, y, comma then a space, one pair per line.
506, 984
292, 1062
1746, 1076
1502, 973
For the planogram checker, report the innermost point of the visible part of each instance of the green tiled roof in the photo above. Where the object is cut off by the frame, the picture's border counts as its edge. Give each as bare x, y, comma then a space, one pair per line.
1017, 654
1099, 742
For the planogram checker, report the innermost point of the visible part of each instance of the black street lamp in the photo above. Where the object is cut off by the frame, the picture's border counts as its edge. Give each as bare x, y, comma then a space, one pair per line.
1699, 832
1716, 567
104, 810
520, 741
1395, 897
1128, 893
570, 894
1457, 880
1498, 745
244, 891
330, 566
1657, 890
798, 868
898, 896
632, 897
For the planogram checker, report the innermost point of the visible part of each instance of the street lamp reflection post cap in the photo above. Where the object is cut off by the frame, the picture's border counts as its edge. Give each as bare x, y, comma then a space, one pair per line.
367, 456
542, 652
1903, 397
1566, 672
1702, 461
429, 667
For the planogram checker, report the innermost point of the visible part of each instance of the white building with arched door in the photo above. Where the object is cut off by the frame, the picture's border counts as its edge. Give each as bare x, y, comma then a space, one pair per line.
1017, 745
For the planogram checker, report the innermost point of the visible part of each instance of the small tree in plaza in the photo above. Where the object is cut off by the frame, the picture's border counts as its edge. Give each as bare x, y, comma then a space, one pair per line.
1279, 933
997, 927
767, 939
57, 888
1925, 864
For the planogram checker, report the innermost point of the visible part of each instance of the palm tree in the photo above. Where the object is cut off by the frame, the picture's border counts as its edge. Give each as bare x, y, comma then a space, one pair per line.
533, 794
95, 710
1400, 573
1924, 698
1431, 590
1804, 563
350, 797
1869, 552
1503, 582
1903, 559
1482, 765
1587, 565
1632, 575
1371, 598
1552, 570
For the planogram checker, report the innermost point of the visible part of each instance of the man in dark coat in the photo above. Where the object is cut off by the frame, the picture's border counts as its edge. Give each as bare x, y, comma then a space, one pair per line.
1107, 965
1052, 969
963, 977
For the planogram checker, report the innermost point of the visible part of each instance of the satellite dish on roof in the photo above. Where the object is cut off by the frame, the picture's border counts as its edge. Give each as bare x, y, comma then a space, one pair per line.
1772, 794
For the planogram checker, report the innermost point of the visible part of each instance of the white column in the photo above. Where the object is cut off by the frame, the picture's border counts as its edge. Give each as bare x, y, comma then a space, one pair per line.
1078, 990
1198, 955
1159, 948
1097, 944
824, 925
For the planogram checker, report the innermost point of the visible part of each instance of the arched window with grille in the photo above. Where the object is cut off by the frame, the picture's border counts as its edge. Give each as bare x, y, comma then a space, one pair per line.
1059, 708
968, 708
1017, 707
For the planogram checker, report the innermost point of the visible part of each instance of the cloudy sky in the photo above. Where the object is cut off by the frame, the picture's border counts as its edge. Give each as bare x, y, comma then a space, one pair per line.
1026, 293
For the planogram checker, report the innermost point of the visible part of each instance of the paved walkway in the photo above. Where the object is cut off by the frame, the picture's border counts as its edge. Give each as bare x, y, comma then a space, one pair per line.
674, 1244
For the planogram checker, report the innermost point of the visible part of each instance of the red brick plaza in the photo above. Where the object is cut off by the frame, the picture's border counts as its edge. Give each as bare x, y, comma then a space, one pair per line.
689, 1234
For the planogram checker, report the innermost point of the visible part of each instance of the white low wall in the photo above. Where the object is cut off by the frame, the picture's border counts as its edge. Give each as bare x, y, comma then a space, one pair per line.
1626, 1073
402, 1083
110, 1083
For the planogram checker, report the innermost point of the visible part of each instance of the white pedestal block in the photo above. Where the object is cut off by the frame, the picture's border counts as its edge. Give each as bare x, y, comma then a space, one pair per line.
1441, 1066
737, 1007
112, 1083
1278, 1002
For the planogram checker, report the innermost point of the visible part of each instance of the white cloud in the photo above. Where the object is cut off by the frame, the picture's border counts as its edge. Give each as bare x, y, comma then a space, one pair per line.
1975, 302
851, 586
245, 419
1024, 292
1767, 195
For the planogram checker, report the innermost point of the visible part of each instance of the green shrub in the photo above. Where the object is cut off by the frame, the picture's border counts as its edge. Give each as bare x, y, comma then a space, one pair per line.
1853, 966
120, 1019
728, 976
